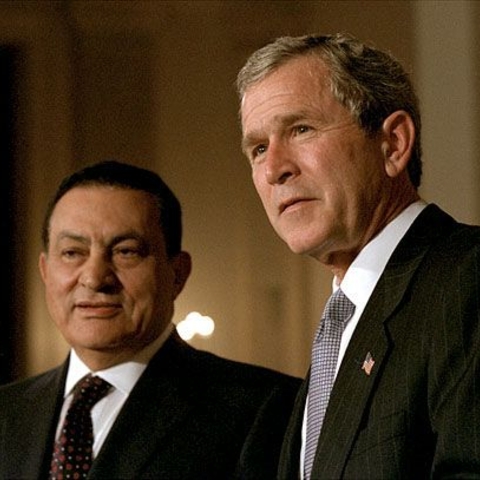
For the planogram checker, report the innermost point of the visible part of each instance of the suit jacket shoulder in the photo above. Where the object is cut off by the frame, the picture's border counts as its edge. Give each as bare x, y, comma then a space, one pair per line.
194, 415
191, 415
414, 414
29, 411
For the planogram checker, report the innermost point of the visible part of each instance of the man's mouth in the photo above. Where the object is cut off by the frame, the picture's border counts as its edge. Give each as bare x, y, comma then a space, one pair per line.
292, 203
99, 309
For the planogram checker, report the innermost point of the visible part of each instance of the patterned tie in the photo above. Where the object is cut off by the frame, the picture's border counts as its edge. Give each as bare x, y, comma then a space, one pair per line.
326, 345
72, 455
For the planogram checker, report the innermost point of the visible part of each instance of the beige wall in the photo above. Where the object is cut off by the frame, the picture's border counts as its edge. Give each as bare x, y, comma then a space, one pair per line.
152, 83
448, 72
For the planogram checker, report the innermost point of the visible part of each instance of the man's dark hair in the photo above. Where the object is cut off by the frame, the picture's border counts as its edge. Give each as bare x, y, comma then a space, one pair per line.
122, 175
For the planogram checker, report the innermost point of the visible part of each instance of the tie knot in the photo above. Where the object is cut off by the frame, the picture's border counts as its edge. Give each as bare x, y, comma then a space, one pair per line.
89, 390
339, 308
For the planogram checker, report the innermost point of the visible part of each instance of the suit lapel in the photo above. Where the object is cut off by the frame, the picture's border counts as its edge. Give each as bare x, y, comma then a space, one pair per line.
345, 410
31, 433
156, 404
354, 386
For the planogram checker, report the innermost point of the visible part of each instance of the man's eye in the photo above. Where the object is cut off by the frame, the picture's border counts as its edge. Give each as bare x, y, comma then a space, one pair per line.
71, 254
127, 252
299, 129
258, 151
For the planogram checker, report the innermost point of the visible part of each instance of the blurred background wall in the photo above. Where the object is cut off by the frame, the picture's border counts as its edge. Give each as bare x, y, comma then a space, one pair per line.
152, 83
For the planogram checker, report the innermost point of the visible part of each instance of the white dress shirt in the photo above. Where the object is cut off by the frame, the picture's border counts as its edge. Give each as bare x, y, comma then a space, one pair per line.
361, 278
122, 377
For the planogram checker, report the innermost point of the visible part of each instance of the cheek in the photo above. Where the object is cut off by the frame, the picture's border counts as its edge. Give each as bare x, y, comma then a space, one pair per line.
59, 280
263, 189
58, 298
257, 183
148, 291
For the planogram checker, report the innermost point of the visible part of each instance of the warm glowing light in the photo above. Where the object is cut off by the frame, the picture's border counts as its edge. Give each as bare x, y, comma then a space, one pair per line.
195, 324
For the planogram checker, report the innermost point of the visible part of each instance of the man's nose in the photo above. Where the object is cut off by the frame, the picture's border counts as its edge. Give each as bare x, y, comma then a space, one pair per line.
280, 164
97, 273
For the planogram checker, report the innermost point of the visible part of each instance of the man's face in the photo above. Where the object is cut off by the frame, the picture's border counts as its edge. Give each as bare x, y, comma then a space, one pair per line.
319, 176
110, 287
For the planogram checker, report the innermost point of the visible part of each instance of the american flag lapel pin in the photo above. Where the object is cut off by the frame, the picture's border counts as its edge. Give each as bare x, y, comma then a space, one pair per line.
368, 363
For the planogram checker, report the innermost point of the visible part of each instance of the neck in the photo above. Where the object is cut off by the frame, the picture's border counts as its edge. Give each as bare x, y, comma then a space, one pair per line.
97, 360
338, 262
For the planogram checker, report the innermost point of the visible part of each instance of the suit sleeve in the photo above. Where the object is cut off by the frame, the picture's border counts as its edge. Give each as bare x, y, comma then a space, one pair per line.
454, 373
261, 451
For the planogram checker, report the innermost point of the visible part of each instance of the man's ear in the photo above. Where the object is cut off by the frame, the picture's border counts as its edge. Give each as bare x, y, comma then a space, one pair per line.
398, 137
42, 265
182, 266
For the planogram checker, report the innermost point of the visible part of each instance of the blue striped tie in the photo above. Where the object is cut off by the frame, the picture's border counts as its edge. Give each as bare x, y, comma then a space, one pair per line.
325, 349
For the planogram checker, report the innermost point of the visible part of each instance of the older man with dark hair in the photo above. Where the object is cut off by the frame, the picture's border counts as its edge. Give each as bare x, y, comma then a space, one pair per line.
132, 400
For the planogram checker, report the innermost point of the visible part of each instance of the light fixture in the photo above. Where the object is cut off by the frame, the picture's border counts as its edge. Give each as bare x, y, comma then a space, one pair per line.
195, 324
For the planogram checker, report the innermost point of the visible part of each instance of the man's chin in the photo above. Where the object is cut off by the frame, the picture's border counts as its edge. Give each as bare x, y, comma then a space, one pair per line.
309, 247
299, 245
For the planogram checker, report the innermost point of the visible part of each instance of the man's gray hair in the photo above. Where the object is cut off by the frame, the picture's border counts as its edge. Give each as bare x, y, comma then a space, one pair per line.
369, 82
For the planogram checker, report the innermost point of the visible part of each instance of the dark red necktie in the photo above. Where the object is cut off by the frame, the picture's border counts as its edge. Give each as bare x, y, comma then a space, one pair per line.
72, 455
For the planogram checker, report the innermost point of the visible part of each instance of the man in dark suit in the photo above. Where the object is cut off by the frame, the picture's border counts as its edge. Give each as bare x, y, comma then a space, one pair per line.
331, 127
112, 266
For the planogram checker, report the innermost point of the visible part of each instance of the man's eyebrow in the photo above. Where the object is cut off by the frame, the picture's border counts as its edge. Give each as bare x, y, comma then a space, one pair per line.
129, 235
68, 235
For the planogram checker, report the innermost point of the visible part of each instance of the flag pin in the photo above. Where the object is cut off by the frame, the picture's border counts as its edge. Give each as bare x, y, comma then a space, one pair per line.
368, 363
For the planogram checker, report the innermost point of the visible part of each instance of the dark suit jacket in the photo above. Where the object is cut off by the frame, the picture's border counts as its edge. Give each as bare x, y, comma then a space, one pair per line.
417, 415
192, 415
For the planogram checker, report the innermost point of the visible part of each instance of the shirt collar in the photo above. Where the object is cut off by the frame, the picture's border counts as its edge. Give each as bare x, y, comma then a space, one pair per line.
123, 376
365, 271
